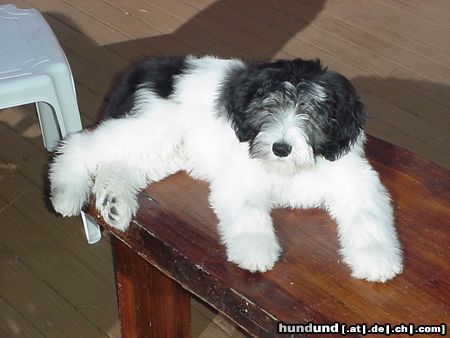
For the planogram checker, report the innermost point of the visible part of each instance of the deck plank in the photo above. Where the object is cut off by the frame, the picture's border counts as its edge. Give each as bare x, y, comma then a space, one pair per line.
42, 305
13, 324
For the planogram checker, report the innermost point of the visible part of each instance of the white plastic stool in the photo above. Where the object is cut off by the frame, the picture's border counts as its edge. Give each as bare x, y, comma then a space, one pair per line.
34, 68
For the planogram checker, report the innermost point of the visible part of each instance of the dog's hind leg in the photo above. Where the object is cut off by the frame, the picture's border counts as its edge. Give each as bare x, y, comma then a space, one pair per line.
117, 183
115, 188
117, 159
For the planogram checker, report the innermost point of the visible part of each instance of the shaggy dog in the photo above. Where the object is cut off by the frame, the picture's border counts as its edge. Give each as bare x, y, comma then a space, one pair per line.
264, 135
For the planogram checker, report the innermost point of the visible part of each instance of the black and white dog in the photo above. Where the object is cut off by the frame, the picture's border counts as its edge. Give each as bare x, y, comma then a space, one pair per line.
264, 135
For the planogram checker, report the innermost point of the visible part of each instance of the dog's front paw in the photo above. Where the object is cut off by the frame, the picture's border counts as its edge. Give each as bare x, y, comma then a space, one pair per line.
253, 252
116, 208
375, 263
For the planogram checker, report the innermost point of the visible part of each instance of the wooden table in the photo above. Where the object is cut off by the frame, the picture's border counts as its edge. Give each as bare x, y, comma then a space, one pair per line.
172, 250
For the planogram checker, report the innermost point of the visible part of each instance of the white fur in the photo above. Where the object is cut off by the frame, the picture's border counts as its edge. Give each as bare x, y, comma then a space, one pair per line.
123, 156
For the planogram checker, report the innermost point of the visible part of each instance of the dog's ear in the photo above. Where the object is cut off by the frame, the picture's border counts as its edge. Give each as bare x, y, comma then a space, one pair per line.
241, 88
239, 115
339, 119
343, 129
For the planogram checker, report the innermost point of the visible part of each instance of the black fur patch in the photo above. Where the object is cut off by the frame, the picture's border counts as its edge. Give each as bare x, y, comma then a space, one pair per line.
244, 86
156, 74
333, 124
338, 121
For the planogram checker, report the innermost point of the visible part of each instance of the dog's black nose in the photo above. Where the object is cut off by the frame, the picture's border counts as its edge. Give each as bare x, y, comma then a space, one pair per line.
281, 149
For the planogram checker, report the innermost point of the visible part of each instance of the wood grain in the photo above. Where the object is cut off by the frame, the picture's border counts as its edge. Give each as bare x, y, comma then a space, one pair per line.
150, 303
28, 300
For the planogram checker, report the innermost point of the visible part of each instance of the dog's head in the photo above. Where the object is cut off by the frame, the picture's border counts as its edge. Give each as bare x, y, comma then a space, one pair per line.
291, 112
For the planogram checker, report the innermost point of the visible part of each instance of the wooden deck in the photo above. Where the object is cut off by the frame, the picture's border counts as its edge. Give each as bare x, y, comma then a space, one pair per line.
52, 283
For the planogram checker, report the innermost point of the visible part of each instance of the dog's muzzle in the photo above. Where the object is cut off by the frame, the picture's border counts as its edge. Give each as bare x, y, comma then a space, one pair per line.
281, 149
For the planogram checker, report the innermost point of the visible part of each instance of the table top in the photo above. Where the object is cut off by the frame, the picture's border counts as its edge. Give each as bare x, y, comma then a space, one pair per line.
175, 231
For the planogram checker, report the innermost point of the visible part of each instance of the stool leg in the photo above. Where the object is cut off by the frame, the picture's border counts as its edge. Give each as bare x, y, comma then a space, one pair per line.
68, 118
91, 229
49, 125
150, 303
69, 115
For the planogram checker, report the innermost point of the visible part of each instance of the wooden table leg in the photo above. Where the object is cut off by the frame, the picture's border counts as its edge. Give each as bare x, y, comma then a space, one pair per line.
150, 303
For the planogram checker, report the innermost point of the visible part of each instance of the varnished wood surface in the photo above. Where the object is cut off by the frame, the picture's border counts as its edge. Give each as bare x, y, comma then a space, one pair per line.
175, 231
150, 304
